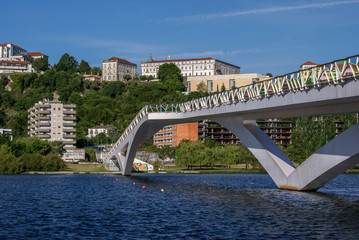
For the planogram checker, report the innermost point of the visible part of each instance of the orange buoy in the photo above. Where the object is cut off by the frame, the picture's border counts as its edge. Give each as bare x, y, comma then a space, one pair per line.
162, 190
143, 187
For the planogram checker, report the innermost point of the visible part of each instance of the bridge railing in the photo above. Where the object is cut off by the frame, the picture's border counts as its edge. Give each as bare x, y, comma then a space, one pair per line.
314, 77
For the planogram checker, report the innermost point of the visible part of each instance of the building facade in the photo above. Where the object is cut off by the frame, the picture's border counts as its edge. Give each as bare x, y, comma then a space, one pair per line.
14, 59
115, 68
96, 130
217, 82
53, 121
7, 50
172, 135
7, 132
191, 67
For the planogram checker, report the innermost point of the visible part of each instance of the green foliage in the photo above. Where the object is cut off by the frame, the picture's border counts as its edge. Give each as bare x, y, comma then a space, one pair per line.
189, 154
171, 76
90, 155
127, 77
84, 67
67, 63
201, 87
223, 88
113, 89
40, 64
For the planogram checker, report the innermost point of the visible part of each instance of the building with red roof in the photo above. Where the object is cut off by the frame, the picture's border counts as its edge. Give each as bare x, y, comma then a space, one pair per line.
16, 59
113, 69
308, 64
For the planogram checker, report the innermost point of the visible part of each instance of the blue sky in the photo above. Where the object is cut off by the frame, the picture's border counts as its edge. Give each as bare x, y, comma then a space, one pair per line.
257, 35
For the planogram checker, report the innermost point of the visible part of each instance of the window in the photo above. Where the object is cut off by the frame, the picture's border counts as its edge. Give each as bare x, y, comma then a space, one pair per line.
189, 87
232, 83
210, 85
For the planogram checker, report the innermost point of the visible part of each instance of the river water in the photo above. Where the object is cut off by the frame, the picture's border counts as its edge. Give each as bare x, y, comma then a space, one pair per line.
198, 206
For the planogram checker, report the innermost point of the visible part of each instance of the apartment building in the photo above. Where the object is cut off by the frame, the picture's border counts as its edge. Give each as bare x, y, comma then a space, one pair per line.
54, 121
172, 135
191, 67
113, 69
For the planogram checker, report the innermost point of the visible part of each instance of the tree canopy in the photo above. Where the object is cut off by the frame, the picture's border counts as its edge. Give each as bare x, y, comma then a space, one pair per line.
67, 63
84, 67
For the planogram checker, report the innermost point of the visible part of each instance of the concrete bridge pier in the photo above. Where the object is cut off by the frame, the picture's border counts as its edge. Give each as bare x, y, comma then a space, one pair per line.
328, 162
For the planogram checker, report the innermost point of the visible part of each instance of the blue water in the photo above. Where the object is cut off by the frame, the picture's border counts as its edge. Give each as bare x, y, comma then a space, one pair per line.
216, 206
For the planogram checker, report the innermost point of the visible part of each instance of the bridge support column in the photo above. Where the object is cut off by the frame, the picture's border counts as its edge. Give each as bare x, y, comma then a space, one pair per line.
271, 157
328, 162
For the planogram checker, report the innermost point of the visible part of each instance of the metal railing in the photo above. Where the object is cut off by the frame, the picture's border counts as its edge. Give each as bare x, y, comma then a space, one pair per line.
325, 74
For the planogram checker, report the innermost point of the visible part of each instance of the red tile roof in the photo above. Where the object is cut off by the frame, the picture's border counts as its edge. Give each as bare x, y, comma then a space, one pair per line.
309, 63
92, 76
181, 60
120, 59
15, 62
4, 45
36, 54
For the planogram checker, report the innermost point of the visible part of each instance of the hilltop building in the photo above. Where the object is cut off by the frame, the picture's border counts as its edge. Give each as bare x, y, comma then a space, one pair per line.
115, 68
191, 67
216, 82
54, 121
15, 59
308, 64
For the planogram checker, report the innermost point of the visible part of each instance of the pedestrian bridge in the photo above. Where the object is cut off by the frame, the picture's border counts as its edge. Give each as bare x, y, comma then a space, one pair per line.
331, 88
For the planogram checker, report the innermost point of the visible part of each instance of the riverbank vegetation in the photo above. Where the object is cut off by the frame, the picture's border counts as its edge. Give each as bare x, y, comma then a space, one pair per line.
29, 154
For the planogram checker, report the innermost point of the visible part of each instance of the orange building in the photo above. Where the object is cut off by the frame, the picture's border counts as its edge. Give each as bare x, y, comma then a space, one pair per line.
172, 135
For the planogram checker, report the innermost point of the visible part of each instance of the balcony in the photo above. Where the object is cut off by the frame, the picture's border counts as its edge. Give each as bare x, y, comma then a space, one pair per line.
44, 118
43, 124
43, 106
69, 118
69, 106
43, 130
69, 112
68, 130
43, 136
69, 124
68, 142
44, 112
69, 136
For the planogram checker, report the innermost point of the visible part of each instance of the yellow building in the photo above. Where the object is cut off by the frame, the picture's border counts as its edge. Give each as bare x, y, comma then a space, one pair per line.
215, 82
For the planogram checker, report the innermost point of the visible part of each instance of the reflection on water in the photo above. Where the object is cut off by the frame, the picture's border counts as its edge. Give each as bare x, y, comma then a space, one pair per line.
225, 206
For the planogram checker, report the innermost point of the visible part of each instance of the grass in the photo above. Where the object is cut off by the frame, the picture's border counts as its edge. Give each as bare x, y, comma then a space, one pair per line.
234, 169
87, 168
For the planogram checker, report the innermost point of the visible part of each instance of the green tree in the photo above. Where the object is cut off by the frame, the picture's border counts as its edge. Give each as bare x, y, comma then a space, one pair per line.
67, 63
127, 77
171, 76
201, 87
40, 64
84, 67
223, 88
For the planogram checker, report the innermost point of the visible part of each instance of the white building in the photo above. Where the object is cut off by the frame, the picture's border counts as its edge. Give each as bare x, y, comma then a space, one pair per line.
96, 130
191, 67
7, 132
115, 68
7, 50
16, 59
308, 64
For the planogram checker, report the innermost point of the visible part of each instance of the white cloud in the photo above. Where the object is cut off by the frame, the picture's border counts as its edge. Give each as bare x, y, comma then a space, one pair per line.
203, 17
